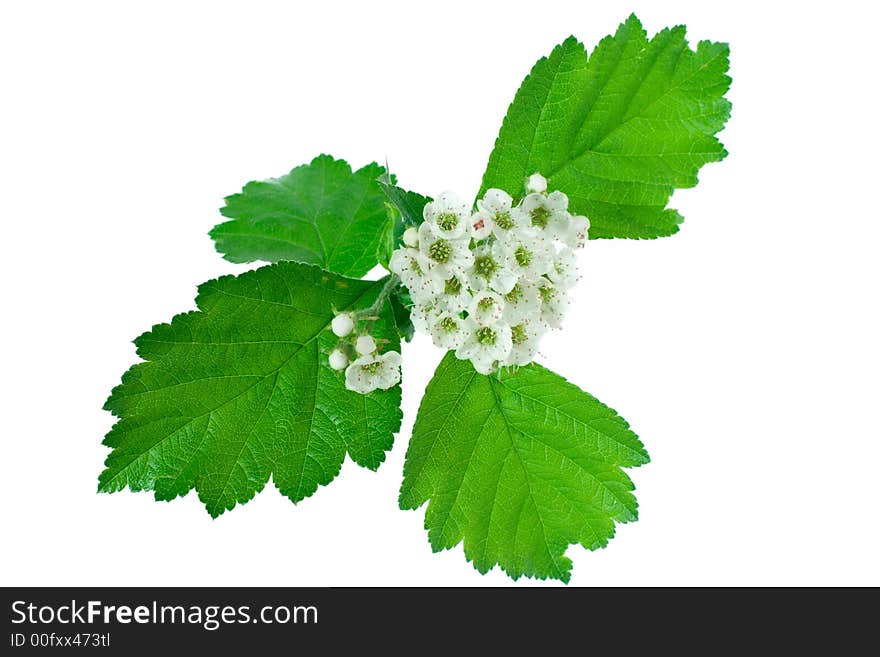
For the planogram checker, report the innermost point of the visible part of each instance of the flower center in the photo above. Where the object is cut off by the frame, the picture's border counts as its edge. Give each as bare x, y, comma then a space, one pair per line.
523, 256
486, 336
514, 295
503, 220
447, 220
540, 216
448, 324
372, 368
414, 265
518, 334
485, 304
485, 266
440, 251
453, 286
547, 292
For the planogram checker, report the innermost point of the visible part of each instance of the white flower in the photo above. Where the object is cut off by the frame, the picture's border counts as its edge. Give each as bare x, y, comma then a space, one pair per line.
448, 330
536, 183
547, 213
414, 270
523, 301
480, 225
422, 315
373, 371
448, 215
489, 271
411, 237
525, 337
576, 232
554, 304
487, 284
338, 359
455, 295
485, 345
525, 252
342, 325
563, 271
365, 344
486, 307
497, 213
446, 255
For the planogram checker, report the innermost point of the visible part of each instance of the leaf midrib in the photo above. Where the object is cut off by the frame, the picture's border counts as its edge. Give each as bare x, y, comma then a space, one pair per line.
514, 450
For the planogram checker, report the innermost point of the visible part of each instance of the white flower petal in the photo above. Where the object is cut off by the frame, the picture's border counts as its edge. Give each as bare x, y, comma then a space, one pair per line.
372, 372
503, 280
495, 201
481, 225
448, 331
557, 201
563, 271
411, 237
576, 232
486, 307
448, 215
522, 301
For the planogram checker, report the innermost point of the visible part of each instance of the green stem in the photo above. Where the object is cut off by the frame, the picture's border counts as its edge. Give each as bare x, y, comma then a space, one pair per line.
373, 311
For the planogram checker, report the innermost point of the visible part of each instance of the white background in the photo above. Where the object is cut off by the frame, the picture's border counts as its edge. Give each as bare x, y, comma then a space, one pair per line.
744, 350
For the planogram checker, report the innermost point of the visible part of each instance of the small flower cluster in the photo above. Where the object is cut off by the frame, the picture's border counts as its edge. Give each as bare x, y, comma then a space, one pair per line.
490, 283
358, 354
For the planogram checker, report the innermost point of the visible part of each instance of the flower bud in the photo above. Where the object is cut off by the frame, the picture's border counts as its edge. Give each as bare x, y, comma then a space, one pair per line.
342, 325
365, 345
338, 359
536, 183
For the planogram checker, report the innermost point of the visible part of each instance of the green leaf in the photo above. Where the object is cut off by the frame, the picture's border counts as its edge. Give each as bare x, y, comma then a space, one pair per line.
320, 213
404, 210
410, 204
620, 131
518, 467
401, 302
391, 233
241, 389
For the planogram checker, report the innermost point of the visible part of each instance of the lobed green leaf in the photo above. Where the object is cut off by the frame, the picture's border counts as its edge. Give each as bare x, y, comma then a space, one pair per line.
619, 131
320, 213
518, 467
240, 390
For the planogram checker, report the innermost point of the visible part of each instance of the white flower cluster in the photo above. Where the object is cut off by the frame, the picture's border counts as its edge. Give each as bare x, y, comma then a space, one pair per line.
490, 283
369, 370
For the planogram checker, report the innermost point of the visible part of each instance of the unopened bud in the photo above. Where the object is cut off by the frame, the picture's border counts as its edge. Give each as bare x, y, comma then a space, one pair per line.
536, 183
342, 325
365, 345
338, 359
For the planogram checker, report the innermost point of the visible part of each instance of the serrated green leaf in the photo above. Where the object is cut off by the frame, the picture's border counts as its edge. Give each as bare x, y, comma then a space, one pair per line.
410, 204
620, 131
240, 390
404, 210
518, 467
400, 305
320, 213
391, 233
